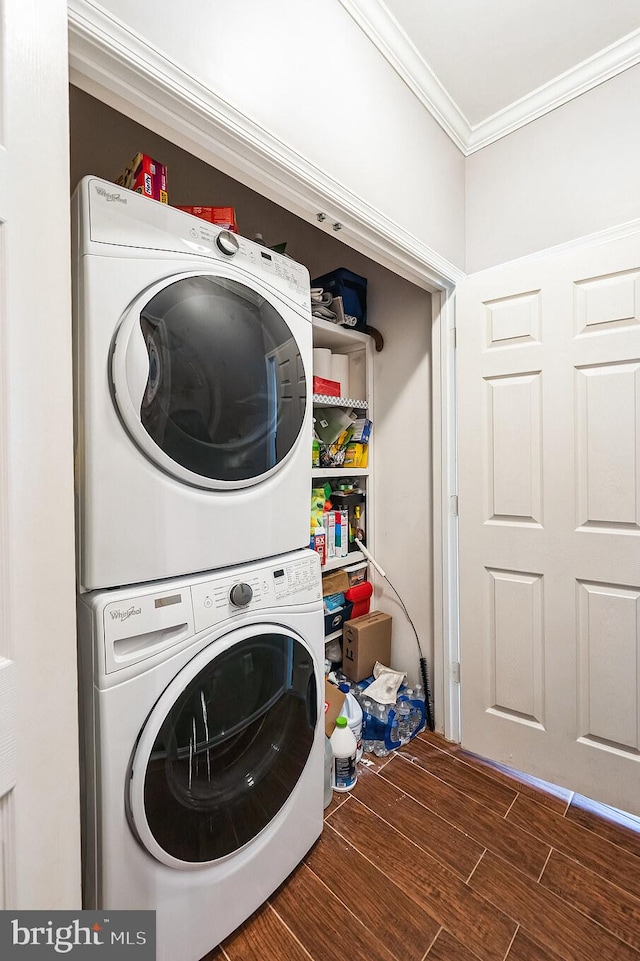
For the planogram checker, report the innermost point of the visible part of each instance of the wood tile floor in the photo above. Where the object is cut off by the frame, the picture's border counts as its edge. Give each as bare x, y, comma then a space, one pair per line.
438, 854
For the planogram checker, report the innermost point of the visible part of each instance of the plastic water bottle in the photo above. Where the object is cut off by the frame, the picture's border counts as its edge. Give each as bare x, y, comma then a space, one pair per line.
380, 749
393, 735
368, 731
328, 765
420, 706
414, 713
404, 720
343, 747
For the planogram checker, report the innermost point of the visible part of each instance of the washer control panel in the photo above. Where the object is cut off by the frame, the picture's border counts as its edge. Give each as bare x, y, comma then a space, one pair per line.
280, 584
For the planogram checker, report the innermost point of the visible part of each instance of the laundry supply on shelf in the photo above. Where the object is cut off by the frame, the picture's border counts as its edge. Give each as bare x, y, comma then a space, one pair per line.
145, 176
351, 288
224, 217
329, 308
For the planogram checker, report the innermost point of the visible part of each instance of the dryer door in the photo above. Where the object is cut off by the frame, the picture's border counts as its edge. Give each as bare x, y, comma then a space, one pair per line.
224, 747
209, 380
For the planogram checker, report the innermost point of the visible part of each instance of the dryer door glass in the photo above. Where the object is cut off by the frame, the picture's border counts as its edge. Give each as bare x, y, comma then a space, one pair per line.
226, 392
231, 749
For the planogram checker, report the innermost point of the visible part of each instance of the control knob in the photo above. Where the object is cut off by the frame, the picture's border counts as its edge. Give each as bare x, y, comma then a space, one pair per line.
227, 242
241, 594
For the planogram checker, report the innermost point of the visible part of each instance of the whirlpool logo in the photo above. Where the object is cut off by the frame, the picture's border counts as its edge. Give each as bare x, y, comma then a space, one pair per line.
111, 196
48, 934
120, 615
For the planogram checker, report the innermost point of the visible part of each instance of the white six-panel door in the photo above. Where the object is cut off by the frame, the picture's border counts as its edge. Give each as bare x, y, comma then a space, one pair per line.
549, 461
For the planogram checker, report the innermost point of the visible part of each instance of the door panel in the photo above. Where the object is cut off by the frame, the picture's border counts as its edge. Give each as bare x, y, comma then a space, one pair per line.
549, 458
39, 809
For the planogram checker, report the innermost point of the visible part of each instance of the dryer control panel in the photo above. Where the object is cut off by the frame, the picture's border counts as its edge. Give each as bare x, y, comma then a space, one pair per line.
123, 218
280, 584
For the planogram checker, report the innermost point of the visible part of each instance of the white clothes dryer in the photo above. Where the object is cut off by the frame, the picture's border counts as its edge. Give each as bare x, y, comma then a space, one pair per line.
193, 357
203, 745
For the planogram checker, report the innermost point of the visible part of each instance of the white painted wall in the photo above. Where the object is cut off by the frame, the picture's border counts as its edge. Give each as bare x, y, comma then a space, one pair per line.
102, 141
307, 74
568, 174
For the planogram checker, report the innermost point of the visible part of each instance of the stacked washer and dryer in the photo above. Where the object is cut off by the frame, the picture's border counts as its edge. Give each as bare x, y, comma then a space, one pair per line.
199, 605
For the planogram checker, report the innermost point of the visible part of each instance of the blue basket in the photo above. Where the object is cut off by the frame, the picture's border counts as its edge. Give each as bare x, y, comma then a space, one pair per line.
351, 287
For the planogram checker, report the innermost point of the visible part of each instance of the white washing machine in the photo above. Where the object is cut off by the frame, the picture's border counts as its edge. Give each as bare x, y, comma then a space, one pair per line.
203, 744
193, 352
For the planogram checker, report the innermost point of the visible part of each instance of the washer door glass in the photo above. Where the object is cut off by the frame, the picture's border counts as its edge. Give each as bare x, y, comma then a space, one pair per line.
225, 394
226, 755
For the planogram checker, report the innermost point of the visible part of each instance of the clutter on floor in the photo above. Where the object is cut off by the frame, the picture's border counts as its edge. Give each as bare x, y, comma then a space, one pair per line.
376, 715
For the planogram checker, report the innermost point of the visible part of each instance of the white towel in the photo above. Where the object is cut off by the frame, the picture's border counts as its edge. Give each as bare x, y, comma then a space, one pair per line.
385, 688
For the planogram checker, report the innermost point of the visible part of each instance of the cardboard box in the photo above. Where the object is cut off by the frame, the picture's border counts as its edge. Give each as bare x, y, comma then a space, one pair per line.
146, 176
333, 701
224, 217
365, 640
335, 582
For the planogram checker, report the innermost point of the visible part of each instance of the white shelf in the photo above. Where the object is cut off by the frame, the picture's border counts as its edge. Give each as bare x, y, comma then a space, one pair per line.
339, 471
334, 563
333, 636
328, 400
326, 334
359, 348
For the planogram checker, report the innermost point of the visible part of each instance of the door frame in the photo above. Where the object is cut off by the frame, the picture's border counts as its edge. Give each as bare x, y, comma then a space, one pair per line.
111, 63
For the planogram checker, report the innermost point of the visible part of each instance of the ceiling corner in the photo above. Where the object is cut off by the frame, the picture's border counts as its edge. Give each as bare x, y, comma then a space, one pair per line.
384, 31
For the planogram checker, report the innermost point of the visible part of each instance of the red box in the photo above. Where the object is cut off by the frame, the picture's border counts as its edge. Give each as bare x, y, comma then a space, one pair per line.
360, 597
331, 388
224, 217
146, 176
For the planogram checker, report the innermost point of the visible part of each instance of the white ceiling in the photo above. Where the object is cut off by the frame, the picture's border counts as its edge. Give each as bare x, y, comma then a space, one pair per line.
486, 67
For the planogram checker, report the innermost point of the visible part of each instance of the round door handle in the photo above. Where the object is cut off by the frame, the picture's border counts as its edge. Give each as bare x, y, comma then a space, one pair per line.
241, 594
227, 243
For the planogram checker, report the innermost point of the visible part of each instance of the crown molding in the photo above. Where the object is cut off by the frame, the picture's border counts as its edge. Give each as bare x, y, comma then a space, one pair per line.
379, 25
112, 63
384, 31
585, 76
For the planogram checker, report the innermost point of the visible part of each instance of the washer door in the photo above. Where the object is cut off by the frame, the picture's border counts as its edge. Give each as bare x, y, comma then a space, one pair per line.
224, 747
209, 381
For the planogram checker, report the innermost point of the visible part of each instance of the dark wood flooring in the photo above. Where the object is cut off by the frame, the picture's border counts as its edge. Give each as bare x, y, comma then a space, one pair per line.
439, 854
